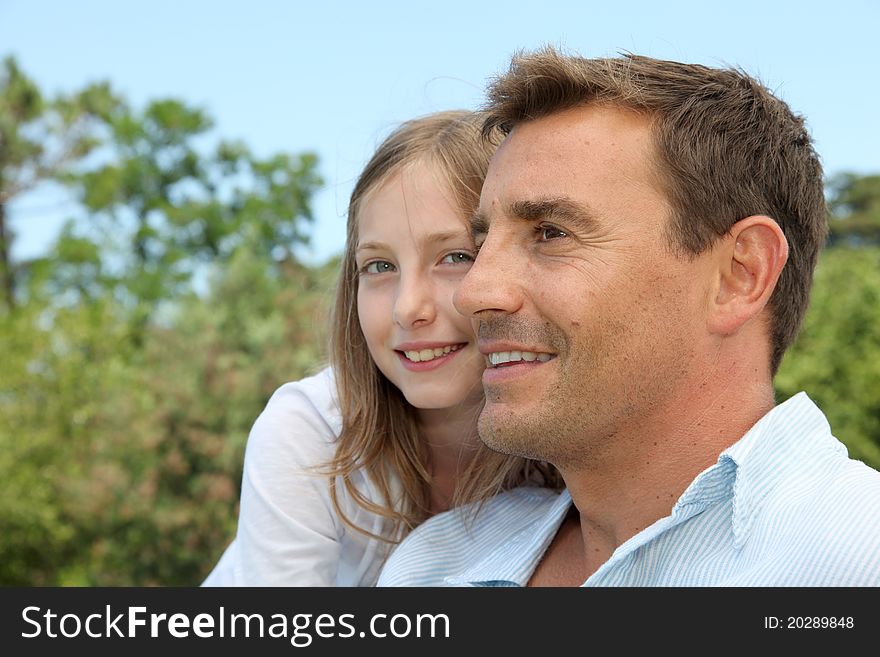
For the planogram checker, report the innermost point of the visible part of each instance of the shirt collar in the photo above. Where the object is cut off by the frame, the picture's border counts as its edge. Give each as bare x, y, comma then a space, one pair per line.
515, 560
754, 465
747, 471
780, 442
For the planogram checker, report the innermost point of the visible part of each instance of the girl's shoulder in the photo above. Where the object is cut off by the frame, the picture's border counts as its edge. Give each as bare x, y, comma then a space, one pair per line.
310, 402
298, 428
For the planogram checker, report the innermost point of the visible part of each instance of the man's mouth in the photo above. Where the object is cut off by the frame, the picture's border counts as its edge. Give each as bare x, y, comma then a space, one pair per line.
503, 358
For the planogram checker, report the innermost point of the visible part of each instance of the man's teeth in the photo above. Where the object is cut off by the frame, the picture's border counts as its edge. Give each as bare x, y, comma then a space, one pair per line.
430, 354
499, 357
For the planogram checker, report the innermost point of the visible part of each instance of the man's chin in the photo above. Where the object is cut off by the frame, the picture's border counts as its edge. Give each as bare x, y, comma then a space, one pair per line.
506, 436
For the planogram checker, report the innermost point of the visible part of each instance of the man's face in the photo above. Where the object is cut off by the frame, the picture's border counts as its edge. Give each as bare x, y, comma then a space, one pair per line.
588, 318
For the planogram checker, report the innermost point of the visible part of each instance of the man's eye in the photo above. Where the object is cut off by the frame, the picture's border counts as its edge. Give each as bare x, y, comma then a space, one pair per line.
377, 267
547, 233
458, 258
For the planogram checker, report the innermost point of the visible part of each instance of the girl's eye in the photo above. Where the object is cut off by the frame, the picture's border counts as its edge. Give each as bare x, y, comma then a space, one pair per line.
548, 233
377, 267
458, 258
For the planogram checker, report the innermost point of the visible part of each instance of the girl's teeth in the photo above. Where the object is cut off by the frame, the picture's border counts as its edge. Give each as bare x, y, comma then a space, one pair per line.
429, 354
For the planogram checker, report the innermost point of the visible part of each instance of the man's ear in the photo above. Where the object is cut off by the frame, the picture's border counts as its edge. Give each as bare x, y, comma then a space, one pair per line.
749, 260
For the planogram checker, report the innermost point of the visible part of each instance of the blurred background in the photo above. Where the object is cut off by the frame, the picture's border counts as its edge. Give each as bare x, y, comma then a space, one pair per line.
173, 185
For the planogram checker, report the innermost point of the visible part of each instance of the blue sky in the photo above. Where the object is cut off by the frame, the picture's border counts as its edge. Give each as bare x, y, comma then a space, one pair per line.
334, 76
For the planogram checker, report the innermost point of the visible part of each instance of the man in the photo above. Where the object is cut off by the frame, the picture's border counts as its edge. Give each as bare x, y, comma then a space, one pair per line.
646, 239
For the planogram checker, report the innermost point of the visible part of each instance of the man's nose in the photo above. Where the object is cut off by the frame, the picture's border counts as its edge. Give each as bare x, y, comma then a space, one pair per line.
491, 285
415, 304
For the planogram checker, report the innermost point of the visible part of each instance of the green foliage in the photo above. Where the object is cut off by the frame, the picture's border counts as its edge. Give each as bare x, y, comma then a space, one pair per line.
20, 103
41, 136
40, 140
836, 359
146, 342
120, 462
855, 209
169, 208
58, 366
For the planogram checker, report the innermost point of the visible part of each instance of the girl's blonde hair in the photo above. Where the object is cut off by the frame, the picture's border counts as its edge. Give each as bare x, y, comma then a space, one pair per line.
379, 431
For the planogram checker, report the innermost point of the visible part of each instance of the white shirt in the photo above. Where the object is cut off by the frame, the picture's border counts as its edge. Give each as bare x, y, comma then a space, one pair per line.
783, 506
289, 533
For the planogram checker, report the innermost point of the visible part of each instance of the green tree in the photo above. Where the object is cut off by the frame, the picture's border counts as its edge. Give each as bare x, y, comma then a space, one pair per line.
162, 208
836, 358
855, 209
40, 140
128, 390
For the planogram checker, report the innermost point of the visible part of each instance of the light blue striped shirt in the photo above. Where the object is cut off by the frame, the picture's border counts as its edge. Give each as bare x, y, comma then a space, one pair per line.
783, 506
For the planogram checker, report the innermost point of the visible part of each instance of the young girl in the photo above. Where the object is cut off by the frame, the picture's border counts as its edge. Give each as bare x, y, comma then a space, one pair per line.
341, 465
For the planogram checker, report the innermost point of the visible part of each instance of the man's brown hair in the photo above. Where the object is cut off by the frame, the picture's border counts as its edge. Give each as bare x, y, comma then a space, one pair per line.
726, 149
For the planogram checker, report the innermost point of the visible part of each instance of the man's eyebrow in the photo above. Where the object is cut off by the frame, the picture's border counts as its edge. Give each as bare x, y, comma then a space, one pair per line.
479, 225
549, 209
553, 209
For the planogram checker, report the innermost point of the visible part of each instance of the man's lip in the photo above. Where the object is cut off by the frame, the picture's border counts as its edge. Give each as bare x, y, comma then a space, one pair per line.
492, 347
418, 346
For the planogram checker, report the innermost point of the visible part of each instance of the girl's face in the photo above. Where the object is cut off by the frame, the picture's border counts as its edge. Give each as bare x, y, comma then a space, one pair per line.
413, 250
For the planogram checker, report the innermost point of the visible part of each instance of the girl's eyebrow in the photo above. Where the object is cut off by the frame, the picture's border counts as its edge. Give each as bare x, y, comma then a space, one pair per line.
372, 246
432, 238
444, 236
